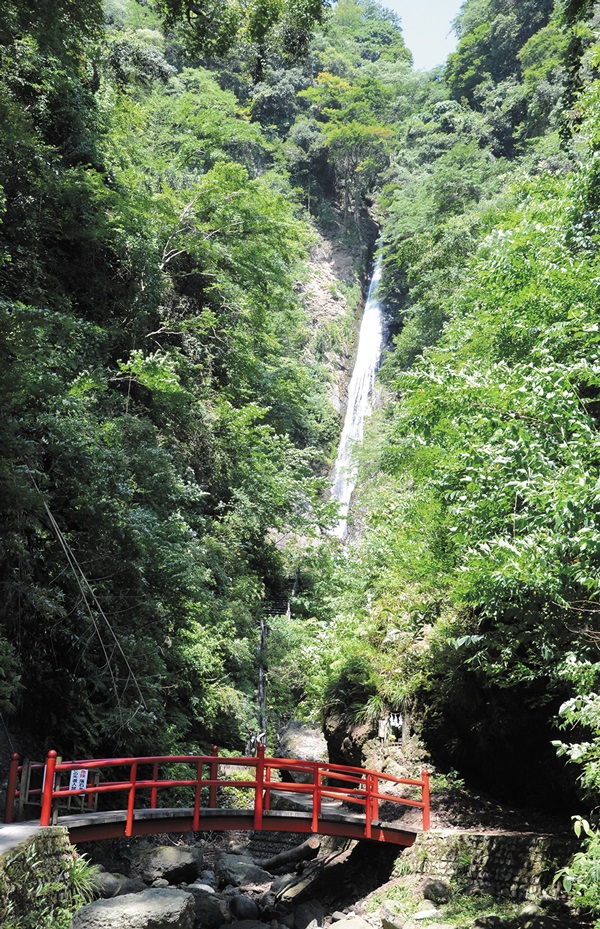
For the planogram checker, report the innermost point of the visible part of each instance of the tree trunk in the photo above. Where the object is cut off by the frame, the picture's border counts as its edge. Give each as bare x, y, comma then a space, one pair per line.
303, 852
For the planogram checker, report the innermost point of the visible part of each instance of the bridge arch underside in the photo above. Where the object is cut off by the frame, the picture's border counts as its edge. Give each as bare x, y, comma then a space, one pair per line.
111, 825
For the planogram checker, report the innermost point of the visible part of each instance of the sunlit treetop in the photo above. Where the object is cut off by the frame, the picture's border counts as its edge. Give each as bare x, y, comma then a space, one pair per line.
213, 26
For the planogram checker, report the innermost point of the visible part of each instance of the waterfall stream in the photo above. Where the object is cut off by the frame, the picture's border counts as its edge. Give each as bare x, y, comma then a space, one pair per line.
370, 340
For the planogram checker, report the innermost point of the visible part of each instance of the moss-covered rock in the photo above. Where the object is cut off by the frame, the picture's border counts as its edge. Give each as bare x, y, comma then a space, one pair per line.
42, 881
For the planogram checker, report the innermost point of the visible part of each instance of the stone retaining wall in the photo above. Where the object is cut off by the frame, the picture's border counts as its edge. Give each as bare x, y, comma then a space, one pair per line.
515, 865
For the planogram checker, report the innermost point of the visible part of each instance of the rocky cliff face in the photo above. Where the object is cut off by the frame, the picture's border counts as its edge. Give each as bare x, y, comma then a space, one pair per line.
345, 741
333, 294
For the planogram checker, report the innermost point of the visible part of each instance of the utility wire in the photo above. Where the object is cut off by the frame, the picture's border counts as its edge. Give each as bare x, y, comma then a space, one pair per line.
88, 594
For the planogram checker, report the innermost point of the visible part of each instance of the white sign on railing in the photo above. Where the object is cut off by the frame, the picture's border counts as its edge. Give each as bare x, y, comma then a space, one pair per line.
78, 779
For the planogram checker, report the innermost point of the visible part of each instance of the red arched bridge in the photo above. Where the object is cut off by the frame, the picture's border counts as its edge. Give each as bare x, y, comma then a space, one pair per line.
196, 794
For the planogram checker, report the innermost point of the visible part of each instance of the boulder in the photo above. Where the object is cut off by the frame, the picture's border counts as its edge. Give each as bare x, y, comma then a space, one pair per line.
531, 910
108, 885
309, 915
390, 920
242, 907
345, 742
211, 910
167, 862
236, 848
426, 913
241, 872
201, 886
150, 909
249, 924
105, 884
437, 891
305, 743
353, 922
269, 907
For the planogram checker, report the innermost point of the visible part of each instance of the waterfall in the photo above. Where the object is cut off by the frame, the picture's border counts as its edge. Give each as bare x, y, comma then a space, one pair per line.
360, 392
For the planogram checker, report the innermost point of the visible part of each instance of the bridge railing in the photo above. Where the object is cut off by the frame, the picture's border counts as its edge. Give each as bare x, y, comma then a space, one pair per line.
356, 787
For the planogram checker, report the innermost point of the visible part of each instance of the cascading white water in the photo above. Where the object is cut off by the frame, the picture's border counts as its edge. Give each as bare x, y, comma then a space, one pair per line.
360, 393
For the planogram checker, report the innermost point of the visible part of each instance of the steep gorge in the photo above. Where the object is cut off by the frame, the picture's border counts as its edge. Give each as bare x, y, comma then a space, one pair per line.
172, 373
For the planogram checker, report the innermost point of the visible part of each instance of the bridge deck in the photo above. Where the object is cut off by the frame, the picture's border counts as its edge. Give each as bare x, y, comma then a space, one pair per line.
14, 834
108, 825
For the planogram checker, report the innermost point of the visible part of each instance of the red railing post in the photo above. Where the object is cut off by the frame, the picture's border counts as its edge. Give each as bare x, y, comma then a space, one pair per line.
375, 798
11, 788
267, 805
260, 781
48, 790
368, 800
316, 799
131, 800
154, 791
425, 796
198, 798
214, 775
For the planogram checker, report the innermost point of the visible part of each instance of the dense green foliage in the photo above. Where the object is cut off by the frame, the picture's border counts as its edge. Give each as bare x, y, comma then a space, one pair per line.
213, 28
161, 416
165, 423
469, 597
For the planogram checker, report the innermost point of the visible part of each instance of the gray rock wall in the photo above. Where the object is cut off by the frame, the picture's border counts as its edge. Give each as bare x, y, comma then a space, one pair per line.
515, 865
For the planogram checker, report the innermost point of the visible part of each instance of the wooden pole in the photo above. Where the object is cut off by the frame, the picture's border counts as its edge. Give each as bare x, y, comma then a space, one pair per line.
11, 788
24, 786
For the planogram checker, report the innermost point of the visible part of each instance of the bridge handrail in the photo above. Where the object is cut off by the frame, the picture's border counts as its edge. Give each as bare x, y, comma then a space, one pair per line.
365, 789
